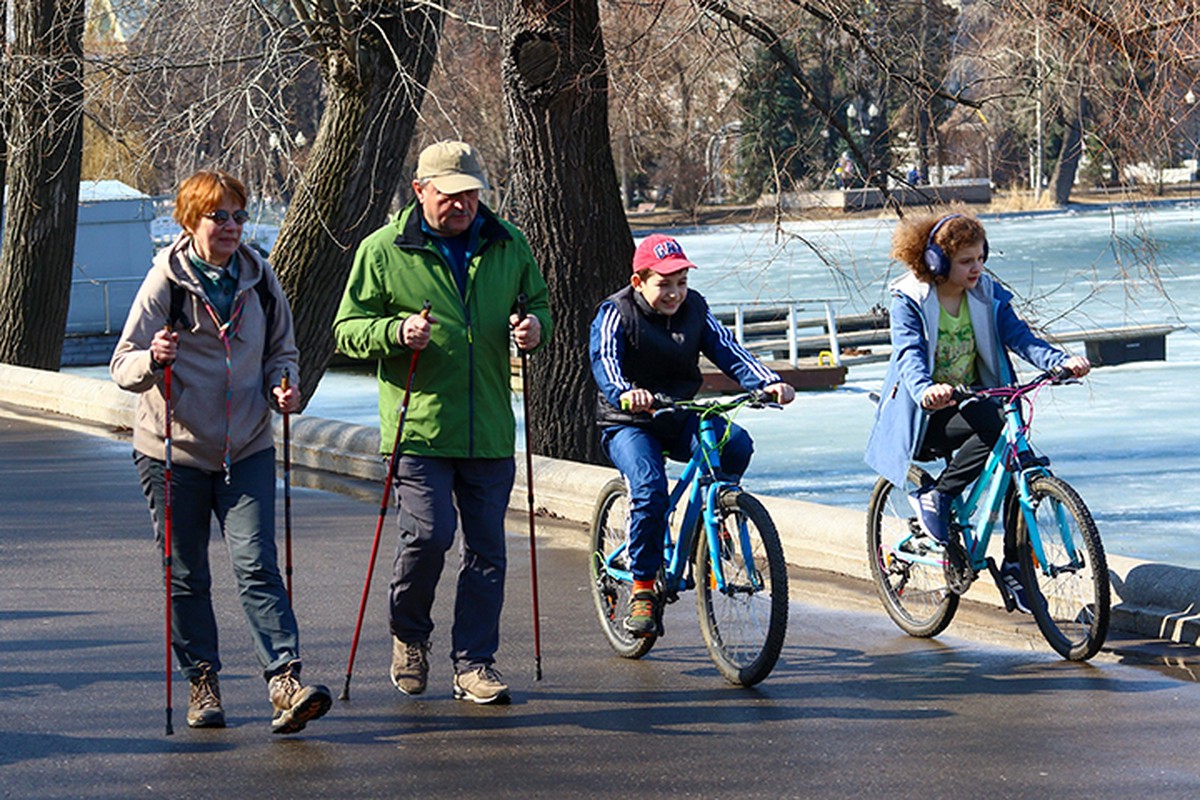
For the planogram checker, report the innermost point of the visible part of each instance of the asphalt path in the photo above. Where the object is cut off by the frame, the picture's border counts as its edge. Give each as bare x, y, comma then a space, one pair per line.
854, 709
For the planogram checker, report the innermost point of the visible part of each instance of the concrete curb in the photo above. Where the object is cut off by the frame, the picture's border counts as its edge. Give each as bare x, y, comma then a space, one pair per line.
1152, 600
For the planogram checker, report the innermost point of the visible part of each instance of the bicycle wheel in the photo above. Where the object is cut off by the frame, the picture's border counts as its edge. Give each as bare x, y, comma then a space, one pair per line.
744, 625
610, 535
914, 593
1069, 594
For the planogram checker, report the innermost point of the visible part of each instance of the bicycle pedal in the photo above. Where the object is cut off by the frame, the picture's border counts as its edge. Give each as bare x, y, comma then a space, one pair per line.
1010, 602
957, 568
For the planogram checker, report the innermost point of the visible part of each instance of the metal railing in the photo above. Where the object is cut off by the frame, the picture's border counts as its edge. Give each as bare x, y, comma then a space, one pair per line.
791, 309
104, 284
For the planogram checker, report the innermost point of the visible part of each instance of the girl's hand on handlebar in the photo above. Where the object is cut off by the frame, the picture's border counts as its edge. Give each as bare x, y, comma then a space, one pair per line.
937, 397
1079, 366
782, 392
637, 400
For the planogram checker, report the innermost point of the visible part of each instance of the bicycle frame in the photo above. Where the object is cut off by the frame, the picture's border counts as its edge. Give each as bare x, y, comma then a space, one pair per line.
703, 486
1012, 459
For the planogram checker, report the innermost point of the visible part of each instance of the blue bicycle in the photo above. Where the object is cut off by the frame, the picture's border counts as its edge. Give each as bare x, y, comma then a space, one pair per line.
725, 546
1063, 567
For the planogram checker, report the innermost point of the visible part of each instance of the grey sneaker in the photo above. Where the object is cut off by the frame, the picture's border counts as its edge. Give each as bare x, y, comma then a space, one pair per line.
410, 665
295, 705
481, 684
204, 701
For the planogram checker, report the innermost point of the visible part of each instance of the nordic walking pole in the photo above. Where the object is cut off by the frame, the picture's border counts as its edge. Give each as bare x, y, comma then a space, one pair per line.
522, 312
167, 523
284, 383
383, 506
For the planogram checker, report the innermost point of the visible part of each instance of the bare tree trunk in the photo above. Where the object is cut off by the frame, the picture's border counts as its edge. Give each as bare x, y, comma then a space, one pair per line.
5, 75
375, 78
556, 95
46, 148
1071, 153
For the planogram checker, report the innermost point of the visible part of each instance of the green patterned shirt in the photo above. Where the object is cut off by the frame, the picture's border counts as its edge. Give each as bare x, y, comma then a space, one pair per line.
954, 362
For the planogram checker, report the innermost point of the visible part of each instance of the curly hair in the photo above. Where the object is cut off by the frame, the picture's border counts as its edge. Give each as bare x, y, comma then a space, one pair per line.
202, 192
912, 235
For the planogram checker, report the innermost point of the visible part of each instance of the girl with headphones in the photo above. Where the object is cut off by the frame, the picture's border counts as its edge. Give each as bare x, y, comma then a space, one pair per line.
952, 324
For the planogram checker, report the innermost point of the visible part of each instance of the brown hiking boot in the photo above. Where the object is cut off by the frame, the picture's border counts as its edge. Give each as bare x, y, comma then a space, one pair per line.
481, 684
410, 665
294, 704
204, 701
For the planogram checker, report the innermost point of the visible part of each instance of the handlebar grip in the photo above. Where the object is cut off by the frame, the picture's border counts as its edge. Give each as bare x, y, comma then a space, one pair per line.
1059, 374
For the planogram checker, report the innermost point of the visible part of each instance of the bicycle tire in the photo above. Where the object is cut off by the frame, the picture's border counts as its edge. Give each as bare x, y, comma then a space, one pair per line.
1071, 603
610, 530
914, 594
743, 628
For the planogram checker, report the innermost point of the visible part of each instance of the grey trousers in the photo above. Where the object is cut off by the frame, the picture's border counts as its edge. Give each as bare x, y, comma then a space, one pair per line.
427, 492
245, 513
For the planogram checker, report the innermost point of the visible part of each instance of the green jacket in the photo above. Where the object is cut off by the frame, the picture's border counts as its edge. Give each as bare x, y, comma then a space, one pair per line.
461, 402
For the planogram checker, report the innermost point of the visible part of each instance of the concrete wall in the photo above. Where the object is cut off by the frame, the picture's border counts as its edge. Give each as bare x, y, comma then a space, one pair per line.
1152, 600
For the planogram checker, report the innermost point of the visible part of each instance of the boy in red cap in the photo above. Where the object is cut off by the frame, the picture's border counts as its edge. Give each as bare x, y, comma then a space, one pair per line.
647, 339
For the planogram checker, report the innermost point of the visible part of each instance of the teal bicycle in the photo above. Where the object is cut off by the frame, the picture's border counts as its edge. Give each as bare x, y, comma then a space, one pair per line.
1063, 568
725, 546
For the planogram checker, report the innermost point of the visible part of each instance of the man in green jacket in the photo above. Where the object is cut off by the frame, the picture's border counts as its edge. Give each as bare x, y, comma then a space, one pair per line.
447, 248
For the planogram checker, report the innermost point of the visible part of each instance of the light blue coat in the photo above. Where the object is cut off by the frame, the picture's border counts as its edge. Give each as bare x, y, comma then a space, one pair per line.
899, 419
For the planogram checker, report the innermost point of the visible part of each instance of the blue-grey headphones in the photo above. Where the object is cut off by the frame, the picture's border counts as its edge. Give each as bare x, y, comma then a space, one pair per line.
935, 257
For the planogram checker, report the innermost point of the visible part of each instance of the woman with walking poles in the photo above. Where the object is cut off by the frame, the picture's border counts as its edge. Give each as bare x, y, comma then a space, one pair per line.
455, 439
206, 347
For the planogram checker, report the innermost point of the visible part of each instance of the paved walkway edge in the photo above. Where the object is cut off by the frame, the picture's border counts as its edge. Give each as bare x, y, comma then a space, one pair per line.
1152, 600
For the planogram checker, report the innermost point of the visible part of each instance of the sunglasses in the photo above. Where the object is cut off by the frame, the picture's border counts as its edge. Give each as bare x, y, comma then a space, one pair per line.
221, 216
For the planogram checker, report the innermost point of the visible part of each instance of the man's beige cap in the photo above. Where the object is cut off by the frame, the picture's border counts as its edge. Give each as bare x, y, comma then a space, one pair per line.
452, 167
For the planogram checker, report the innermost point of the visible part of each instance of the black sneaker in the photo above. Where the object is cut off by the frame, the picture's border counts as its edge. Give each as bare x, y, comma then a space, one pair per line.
295, 705
643, 619
204, 700
1014, 590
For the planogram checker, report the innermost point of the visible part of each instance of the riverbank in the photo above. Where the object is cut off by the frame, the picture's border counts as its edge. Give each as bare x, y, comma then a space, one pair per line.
1002, 202
1152, 600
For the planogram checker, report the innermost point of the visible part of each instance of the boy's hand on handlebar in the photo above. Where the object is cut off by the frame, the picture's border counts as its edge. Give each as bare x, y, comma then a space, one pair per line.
782, 392
637, 400
937, 397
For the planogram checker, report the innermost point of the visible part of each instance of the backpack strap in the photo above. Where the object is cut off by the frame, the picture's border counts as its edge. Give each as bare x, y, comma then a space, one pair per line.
176, 315
265, 298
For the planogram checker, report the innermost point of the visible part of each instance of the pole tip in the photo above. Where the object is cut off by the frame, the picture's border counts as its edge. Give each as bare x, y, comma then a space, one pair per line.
345, 695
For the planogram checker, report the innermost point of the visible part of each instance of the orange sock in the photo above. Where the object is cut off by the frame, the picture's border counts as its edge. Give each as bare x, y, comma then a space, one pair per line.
643, 586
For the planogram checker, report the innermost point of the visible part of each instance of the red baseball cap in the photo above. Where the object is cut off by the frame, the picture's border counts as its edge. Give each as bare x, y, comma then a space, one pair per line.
660, 253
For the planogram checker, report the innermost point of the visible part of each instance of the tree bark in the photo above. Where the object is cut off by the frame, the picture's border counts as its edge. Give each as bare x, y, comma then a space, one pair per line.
1071, 153
375, 73
568, 202
44, 88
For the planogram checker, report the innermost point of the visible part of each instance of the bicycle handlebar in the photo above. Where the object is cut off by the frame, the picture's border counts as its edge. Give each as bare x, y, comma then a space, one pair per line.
755, 399
1055, 375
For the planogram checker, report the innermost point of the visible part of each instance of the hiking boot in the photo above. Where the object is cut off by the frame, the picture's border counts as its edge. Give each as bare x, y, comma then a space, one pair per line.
295, 705
1012, 588
933, 513
481, 684
410, 665
643, 619
204, 701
